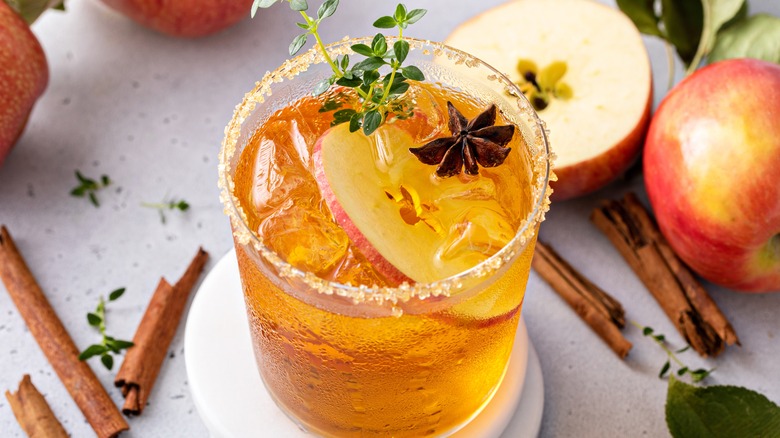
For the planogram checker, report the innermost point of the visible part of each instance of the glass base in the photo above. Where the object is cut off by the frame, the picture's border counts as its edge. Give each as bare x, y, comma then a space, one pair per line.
233, 402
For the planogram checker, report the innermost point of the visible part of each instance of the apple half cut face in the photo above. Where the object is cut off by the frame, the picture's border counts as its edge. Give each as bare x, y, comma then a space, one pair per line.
410, 225
584, 68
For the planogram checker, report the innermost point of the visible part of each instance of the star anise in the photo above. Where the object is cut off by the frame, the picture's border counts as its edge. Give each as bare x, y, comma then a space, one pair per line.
472, 142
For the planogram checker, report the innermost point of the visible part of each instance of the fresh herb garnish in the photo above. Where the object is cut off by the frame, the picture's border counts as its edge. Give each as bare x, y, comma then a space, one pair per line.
695, 29
108, 345
719, 412
379, 95
696, 375
88, 187
173, 204
471, 143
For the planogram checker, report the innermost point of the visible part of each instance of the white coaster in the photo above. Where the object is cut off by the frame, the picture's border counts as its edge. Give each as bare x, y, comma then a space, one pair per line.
233, 402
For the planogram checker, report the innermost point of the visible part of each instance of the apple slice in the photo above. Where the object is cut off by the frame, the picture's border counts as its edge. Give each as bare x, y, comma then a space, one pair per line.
599, 109
409, 226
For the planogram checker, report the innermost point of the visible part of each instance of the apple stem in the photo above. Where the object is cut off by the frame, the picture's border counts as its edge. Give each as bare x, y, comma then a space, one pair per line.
670, 65
321, 45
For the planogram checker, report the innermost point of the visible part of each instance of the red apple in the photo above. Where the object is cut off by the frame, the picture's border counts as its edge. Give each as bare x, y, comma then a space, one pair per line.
597, 128
24, 74
184, 18
712, 172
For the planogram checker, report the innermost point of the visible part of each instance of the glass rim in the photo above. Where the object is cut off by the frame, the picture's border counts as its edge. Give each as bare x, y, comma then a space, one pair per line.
540, 160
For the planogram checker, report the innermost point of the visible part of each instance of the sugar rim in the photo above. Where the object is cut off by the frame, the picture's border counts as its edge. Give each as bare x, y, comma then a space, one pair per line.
541, 158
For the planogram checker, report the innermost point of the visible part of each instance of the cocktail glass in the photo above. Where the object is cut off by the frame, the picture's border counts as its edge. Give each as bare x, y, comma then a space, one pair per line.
358, 360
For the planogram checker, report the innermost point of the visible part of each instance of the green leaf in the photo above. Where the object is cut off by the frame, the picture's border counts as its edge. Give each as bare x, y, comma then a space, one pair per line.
682, 371
400, 12
30, 10
92, 350
379, 45
304, 26
355, 122
719, 412
349, 82
82, 179
299, 5
297, 43
385, 23
413, 73
700, 374
370, 77
371, 122
78, 192
684, 349
107, 360
398, 88
362, 49
261, 4
664, 369
183, 205
755, 37
342, 116
415, 15
105, 180
647, 331
322, 86
93, 319
721, 12
367, 64
93, 199
642, 13
327, 9
117, 344
401, 50
344, 62
683, 21
330, 105
113, 296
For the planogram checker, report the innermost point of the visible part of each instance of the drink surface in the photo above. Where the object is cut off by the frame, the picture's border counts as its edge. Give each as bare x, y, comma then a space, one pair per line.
423, 373
465, 219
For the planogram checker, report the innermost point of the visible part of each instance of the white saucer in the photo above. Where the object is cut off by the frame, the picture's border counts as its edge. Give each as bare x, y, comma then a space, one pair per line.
233, 402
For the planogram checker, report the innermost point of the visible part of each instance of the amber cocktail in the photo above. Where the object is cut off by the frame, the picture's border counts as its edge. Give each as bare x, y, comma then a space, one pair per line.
383, 300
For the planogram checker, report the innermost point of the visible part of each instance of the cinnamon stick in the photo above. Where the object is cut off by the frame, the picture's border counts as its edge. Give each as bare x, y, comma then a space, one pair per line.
33, 413
143, 361
603, 313
687, 304
56, 343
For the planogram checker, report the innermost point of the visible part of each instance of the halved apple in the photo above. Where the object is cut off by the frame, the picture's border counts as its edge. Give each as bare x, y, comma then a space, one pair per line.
412, 226
586, 69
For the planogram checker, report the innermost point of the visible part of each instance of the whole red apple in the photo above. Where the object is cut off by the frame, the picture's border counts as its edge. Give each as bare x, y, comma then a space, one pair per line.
712, 172
24, 74
184, 18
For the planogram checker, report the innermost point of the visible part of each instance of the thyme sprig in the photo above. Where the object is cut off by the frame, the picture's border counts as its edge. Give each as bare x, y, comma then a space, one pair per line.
108, 345
88, 187
172, 204
697, 375
379, 95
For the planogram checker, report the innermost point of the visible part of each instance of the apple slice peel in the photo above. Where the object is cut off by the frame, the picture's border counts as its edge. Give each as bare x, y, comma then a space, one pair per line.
391, 211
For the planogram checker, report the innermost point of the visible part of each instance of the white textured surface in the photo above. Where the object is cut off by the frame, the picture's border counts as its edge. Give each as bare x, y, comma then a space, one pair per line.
150, 110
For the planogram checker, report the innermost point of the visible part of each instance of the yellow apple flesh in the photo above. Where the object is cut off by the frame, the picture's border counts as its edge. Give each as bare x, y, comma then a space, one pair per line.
370, 185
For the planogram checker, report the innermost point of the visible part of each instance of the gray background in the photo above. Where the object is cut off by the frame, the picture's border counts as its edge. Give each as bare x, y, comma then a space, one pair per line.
149, 111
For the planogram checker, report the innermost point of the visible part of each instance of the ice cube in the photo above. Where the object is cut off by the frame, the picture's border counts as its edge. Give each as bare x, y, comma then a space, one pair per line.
306, 236
477, 234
